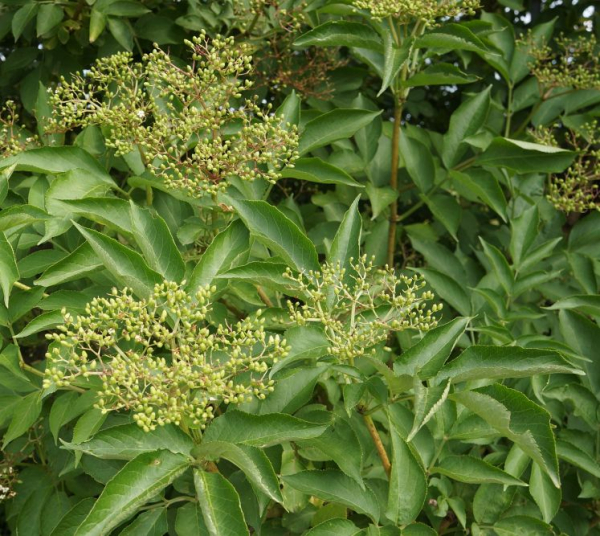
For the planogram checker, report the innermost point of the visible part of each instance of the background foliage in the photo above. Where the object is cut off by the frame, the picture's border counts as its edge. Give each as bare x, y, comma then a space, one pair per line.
281, 383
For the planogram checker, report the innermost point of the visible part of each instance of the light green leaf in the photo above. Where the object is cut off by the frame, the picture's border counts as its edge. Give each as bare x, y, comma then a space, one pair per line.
428, 400
316, 170
25, 413
419, 162
22, 17
306, 342
341, 34
404, 501
544, 493
127, 266
20, 215
466, 120
499, 265
429, 355
346, 243
448, 289
500, 362
290, 110
519, 419
122, 32
522, 525
150, 523
526, 157
333, 126
97, 24
79, 263
154, 239
42, 322
140, 480
260, 430
128, 441
267, 274
380, 198
474, 471
453, 37
335, 486
485, 186
109, 211
189, 521
219, 256
271, 227
252, 461
577, 457
334, 527
220, 505
9, 272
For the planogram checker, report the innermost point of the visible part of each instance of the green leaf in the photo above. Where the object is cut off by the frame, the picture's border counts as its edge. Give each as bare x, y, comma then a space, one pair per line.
453, 37
150, 523
109, 211
418, 161
9, 272
271, 227
53, 160
484, 186
123, 8
122, 32
341, 34
25, 414
448, 289
154, 239
220, 505
266, 274
127, 266
522, 525
333, 527
393, 59
42, 322
428, 400
446, 209
499, 266
501, 362
335, 486
466, 120
128, 441
20, 215
306, 342
380, 198
526, 157
524, 231
22, 17
418, 529
189, 521
517, 418
252, 461
428, 356
140, 480
87, 425
260, 430
439, 74
64, 408
290, 110
81, 262
544, 493
97, 24
577, 457
346, 242
316, 170
333, 126
474, 471
219, 256
49, 15
404, 501
73, 518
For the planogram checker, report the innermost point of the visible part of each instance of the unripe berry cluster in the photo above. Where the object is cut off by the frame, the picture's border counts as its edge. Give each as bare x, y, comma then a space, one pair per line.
160, 358
190, 123
358, 308
577, 189
424, 11
13, 138
574, 63
8, 478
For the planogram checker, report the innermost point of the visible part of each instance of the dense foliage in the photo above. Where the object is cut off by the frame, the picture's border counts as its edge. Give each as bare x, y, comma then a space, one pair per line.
299, 267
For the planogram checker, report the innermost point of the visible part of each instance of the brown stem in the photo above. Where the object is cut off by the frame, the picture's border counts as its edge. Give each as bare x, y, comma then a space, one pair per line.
391, 249
263, 296
378, 444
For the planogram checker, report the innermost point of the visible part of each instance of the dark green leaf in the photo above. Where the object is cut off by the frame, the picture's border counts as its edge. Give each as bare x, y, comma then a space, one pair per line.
474, 471
316, 170
341, 34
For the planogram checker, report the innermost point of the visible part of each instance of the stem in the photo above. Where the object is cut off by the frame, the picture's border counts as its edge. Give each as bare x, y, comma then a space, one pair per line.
391, 248
508, 111
253, 23
378, 444
23, 286
263, 296
149, 195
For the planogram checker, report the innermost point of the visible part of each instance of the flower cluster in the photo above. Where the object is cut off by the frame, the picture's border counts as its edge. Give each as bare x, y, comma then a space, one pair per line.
8, 478
13, 138
358, 308
425, 11
575, 63
190, 123
161, 359
577, 189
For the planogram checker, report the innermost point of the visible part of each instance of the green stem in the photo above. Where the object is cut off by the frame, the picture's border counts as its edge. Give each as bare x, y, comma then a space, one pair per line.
508, 111
391, 245
23, 286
